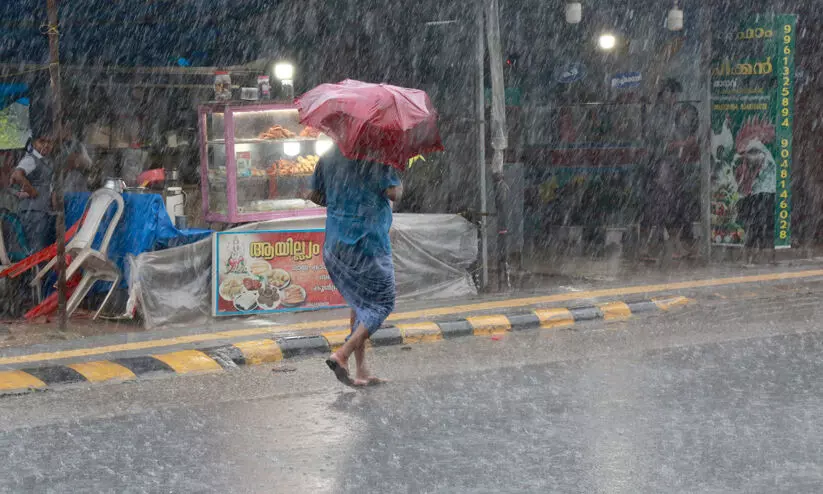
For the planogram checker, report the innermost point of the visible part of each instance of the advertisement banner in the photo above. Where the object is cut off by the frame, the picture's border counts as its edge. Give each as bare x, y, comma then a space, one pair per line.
752, 117
259, 272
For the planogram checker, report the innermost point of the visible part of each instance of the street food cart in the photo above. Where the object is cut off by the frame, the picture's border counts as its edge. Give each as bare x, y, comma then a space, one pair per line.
256, 162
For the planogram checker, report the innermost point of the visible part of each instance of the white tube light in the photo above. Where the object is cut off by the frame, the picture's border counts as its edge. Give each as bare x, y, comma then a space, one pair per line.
322, 146
284, 71
291, 148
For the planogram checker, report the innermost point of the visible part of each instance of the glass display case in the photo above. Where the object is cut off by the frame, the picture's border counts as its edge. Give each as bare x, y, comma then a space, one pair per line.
256, 162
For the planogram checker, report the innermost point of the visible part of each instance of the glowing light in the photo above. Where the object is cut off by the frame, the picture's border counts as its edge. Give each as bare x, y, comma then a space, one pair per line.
607, 41
322, 146
291, 148
284, 71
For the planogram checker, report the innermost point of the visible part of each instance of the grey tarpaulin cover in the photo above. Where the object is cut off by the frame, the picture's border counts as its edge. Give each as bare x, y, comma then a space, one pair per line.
432, 256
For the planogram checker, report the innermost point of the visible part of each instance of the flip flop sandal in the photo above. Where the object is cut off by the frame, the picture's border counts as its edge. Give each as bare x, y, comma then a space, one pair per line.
340, 372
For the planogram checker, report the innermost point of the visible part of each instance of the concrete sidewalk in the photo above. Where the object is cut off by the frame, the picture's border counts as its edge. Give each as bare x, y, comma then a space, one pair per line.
277, 348
135, 355
531, 306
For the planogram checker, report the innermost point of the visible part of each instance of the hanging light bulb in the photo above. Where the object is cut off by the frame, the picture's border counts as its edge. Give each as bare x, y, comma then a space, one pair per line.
675, 19
607, 41
574, 12
291, 148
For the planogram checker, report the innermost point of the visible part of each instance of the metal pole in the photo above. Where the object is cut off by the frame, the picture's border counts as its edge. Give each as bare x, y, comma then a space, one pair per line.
499, 139
57, 115
481, 147
706, 132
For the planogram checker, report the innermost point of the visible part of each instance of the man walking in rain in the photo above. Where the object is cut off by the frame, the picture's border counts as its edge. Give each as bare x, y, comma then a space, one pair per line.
357, 251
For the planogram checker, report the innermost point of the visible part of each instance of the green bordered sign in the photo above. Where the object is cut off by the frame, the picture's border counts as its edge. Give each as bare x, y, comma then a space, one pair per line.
785, 117
753, 76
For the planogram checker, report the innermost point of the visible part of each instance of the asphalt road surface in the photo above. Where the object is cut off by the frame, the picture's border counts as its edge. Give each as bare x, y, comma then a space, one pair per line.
724, 396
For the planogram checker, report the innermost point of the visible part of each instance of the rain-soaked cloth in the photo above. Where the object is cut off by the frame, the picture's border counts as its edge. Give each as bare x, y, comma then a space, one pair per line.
359, 213
357, 251
365, 282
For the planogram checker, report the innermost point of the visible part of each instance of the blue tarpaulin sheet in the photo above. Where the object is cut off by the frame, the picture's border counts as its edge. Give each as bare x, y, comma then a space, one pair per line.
9, 93
144, 227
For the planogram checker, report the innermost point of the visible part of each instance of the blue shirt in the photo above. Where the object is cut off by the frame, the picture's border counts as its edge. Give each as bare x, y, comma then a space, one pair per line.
359, 213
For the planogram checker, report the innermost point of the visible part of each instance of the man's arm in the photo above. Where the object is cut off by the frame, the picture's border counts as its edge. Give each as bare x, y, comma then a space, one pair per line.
18, 177
392, 185
317, 194
394, 193
316, 197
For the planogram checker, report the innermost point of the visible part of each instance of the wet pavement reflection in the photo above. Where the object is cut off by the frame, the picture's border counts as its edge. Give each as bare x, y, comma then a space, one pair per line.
622, 408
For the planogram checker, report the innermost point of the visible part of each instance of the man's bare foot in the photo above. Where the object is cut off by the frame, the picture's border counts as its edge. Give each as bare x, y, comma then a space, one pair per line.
372, 381
341, 360
364, 378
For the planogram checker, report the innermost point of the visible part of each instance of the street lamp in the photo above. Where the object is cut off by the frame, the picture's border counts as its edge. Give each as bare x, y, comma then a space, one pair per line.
607, 41
284, 72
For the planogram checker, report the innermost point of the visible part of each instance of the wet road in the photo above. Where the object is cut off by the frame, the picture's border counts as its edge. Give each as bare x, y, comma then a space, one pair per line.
723, 397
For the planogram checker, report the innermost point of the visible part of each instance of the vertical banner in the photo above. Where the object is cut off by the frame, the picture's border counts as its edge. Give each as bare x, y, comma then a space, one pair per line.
752, 121
257, 272
786, 25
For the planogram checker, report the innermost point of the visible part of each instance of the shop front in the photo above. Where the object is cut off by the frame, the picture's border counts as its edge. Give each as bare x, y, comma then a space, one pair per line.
256, 162
607, 158
597, 125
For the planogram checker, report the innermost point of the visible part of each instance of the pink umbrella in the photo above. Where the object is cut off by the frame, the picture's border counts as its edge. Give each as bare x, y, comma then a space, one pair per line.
377, 122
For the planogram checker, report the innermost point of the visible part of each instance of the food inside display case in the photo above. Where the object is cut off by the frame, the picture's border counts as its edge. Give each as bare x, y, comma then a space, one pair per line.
274, 157
300, 166
276, 132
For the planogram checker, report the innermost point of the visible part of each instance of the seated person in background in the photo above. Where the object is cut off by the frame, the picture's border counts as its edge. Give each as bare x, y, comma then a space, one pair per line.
8, 161
33, 175
77, 162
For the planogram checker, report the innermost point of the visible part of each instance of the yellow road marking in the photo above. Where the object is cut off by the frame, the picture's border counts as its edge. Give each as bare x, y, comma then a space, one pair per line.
420, 332
260, 351
419, 314
489, 324
186, 361
607, 292
554, 318
103, 371
615, 311
14, 380
670, 302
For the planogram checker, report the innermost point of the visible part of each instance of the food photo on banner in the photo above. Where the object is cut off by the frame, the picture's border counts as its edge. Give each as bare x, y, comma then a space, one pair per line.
752, 119
271, 271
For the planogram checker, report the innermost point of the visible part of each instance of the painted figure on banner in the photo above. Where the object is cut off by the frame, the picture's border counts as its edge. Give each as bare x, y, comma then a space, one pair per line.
237, 260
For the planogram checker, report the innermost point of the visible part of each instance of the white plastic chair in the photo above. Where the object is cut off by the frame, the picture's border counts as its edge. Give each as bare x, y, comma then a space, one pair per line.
94, 262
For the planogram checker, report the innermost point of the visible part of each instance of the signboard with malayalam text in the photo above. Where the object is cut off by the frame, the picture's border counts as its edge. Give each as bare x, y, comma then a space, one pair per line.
753, 84
259, 272
627, 80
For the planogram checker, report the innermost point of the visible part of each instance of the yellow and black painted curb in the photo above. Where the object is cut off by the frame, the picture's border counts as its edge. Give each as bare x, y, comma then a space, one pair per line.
264, 351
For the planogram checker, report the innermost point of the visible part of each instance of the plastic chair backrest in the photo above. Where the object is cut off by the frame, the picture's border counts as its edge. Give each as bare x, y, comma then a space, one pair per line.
95, 211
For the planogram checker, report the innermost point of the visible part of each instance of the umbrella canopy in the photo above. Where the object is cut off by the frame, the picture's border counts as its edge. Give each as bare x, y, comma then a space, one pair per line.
377, 122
